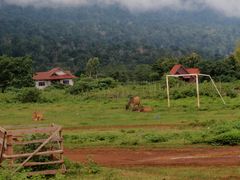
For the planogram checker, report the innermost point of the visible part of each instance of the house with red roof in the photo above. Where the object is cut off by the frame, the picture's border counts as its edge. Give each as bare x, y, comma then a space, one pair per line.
53, 76
179, 69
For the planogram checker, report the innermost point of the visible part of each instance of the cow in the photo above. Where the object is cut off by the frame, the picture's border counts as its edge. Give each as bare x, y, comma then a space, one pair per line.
145, 109
133, 103
37, 116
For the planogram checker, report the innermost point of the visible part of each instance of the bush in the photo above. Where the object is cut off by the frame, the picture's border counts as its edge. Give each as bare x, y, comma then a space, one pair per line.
29, 95
223, 133
154, 138
106, 83
89, 84
91, 167
33, 95
231, 93
227, 138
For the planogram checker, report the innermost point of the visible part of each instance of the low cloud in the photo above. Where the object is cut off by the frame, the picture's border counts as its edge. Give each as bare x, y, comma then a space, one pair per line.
228, 7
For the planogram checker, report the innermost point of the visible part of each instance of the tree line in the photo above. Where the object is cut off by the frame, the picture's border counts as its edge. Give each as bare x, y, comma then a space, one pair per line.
17, 72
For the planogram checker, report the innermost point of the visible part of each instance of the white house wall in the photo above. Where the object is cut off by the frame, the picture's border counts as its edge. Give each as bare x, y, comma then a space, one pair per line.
71, 82
47, 83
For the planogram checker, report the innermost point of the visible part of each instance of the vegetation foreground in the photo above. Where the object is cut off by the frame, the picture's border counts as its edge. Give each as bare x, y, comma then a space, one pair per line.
98, 119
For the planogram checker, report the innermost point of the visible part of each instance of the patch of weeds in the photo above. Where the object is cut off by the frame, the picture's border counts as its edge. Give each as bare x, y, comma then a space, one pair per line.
203, 109
130, 141
73, 168
155, 138
197, 123
110, 175
131, 131
228, 138
91, 167
122, 130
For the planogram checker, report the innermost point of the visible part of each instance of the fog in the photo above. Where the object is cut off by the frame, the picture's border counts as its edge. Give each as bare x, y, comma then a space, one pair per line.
227, 7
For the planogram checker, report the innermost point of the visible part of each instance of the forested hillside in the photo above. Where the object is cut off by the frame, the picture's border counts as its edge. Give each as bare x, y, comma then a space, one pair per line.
69, 37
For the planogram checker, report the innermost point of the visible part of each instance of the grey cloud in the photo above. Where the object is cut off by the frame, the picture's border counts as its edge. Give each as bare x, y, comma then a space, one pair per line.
228, 7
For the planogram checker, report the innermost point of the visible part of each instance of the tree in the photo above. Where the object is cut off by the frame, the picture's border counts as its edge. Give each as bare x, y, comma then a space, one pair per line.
142, 72
117, 72
92, 67
15, 72
192, 60
164, 65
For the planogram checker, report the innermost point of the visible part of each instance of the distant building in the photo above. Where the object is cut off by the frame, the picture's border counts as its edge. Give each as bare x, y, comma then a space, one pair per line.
179, 69
54, 76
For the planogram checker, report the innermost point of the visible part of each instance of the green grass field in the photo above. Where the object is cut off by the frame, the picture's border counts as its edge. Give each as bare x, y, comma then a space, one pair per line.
183, 125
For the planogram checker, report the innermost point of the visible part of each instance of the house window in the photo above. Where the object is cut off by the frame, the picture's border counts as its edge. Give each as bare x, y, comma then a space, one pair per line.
65, 81
41, 83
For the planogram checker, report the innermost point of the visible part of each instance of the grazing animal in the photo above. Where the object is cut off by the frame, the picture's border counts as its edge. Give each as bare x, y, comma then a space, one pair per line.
37, 116
146, 109
133, 103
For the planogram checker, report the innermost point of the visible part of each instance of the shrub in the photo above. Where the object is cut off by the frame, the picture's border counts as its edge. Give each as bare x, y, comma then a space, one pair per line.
228, 138
154, 138
130, 141
29, 95
106, 83
89, 84
231, 93
219, 134
91, 167
33, 95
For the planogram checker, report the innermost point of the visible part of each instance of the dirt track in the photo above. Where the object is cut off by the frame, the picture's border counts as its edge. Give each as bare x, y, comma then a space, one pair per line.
115, 157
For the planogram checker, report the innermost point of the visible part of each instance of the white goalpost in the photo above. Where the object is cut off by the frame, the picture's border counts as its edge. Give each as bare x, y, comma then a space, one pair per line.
197, 86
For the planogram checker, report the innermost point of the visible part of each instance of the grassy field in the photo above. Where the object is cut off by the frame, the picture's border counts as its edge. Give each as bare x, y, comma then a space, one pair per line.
94, 119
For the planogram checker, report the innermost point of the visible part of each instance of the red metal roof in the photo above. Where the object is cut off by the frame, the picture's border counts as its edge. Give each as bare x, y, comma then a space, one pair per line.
175, 68
179, 69
193, 70
51, 75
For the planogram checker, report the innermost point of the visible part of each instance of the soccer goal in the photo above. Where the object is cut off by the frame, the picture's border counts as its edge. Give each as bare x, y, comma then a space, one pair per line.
197, 86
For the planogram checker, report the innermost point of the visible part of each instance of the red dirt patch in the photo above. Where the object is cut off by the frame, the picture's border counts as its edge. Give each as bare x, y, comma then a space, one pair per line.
116, 157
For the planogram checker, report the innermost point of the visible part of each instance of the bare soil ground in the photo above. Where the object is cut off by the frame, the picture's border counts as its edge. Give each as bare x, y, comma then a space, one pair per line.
118, 157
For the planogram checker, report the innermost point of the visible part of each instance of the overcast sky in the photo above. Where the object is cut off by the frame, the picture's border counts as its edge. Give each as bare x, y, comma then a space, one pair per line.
227, 7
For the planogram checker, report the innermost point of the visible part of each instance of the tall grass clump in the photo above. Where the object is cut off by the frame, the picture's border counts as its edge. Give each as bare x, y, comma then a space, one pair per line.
224, 133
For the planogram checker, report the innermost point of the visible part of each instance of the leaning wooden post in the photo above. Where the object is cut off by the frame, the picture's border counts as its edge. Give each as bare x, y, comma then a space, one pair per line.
2, 145
198, 97
168, 94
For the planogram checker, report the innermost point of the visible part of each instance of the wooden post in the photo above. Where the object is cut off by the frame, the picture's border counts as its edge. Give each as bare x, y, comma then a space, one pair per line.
61, 147
10, 148
168, 93
198, 97
2, 145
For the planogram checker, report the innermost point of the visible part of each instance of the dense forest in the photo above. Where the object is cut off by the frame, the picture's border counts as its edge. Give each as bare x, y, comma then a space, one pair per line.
68, 37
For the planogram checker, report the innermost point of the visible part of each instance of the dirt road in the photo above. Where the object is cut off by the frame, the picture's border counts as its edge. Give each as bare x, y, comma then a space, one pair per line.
118, 157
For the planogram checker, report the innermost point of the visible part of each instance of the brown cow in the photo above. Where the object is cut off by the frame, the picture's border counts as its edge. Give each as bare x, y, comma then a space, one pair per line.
37, 116
133, 103
146, 109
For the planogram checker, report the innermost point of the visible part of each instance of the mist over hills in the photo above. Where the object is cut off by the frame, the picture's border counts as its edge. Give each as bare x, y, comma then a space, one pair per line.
69, 36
